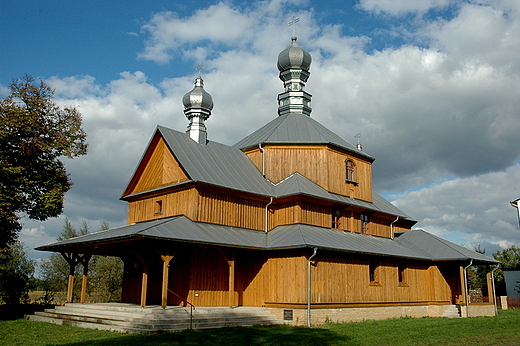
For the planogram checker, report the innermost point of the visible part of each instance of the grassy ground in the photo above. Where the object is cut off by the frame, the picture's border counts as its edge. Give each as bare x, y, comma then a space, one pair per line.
501, 330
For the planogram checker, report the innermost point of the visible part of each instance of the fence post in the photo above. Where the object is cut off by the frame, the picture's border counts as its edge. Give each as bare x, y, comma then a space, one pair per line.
503, 302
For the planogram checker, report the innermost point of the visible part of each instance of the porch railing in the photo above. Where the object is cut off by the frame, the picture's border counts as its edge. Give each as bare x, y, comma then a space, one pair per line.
192, 307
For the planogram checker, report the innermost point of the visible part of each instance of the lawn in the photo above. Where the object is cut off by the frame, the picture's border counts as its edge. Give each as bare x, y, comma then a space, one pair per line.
501, 330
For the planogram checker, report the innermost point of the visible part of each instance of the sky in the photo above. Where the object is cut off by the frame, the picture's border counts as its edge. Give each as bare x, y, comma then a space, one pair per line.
431, 86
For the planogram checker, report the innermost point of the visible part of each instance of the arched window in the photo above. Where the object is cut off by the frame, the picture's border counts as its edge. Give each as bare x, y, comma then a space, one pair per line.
349, 171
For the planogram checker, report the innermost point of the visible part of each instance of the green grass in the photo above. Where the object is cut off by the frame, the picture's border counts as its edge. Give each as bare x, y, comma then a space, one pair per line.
501, 330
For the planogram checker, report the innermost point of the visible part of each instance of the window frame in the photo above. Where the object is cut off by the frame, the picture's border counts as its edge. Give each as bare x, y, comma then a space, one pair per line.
365, 223
402, 270
373, 272
350, 171
335, 218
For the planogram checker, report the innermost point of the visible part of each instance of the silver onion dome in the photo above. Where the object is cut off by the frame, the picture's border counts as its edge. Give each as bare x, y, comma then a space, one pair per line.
293, 57
198, 97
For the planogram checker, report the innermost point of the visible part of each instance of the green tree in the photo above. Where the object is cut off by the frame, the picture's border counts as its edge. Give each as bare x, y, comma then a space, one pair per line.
510, 259
16, 271
34, 134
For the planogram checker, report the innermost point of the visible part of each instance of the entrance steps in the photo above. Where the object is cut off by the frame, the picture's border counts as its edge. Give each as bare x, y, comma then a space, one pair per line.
131, 318
452, 311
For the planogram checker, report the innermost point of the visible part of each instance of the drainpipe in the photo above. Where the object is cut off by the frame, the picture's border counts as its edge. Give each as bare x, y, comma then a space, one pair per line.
392, 227
309, 287
267, 215
493, 288
466, 286
263, 158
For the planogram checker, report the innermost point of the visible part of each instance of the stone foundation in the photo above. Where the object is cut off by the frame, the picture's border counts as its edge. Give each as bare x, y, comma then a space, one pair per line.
356, 314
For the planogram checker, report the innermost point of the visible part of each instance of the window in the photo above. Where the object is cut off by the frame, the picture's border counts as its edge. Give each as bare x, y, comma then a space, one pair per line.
336, 218
349, 171
401, 273
365, 220
158, 207
373, 268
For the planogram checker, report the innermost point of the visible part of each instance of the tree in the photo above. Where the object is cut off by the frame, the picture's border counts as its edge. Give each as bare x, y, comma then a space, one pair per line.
16, 270
34, 134
510, 259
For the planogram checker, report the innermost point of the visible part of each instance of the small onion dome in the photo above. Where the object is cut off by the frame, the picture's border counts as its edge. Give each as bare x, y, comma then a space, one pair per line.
198, 97
294, 56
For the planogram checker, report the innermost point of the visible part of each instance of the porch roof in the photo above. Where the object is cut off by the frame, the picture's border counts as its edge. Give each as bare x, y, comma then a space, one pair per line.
416, 244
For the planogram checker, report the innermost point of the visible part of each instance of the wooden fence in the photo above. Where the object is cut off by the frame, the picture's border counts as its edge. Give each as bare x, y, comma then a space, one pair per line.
505, 303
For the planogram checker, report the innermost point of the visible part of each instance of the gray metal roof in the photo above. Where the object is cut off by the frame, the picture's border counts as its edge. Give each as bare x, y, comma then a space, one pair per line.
296, 129
410, 244
297, 184
224, 166
439, 248
215, 164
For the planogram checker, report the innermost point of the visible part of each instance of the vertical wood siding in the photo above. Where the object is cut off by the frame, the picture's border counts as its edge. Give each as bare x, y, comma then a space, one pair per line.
177, 203
159, 168
230, 210
312, 162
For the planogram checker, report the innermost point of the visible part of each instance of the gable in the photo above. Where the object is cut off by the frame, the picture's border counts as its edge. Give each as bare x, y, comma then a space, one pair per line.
158, 167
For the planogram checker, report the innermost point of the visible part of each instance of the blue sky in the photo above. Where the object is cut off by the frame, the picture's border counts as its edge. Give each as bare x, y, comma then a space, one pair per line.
432, 86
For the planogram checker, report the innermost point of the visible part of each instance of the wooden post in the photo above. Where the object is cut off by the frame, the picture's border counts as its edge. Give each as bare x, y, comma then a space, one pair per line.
70, 286
462, 297
144, 283
231, 264
231, 283
166, 264
84, 261
489, 282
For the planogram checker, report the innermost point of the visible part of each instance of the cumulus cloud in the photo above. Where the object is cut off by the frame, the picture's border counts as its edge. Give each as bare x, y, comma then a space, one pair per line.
400, 7
441, 118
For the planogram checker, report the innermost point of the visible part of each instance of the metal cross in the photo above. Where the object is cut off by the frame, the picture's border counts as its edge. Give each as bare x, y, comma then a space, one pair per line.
293, 24
199, 68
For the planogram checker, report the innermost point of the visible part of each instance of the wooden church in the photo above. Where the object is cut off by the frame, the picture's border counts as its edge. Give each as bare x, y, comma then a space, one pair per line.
286, 219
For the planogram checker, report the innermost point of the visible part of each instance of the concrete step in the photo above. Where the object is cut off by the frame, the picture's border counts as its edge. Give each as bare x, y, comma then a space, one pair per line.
130, 318
451, 312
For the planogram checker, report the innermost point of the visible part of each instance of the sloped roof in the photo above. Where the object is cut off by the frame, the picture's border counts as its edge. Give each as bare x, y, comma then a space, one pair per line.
437, 247
297, 184
215, 164
296, 129
224, 166
410, 244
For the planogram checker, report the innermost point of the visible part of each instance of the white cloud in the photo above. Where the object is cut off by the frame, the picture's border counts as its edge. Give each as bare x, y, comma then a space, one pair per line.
477, 206
399, 7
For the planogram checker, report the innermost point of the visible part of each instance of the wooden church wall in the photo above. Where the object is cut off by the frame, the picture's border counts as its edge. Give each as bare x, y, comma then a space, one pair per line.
320, 164
361, 189
158, 168
214, 207
182, 202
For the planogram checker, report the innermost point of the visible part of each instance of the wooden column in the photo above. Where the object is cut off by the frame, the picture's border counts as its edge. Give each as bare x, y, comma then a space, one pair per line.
73, 259
144, 284
70, 285
84, 260
166, 264
231, 283
489, 282
144, 276
462, 298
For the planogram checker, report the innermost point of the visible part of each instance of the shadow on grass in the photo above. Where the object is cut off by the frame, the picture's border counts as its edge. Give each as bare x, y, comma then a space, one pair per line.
251, 336
17, 311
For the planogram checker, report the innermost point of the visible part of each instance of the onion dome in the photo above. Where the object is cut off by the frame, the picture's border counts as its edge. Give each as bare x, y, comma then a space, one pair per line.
294, 57
198, 97
197, 107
